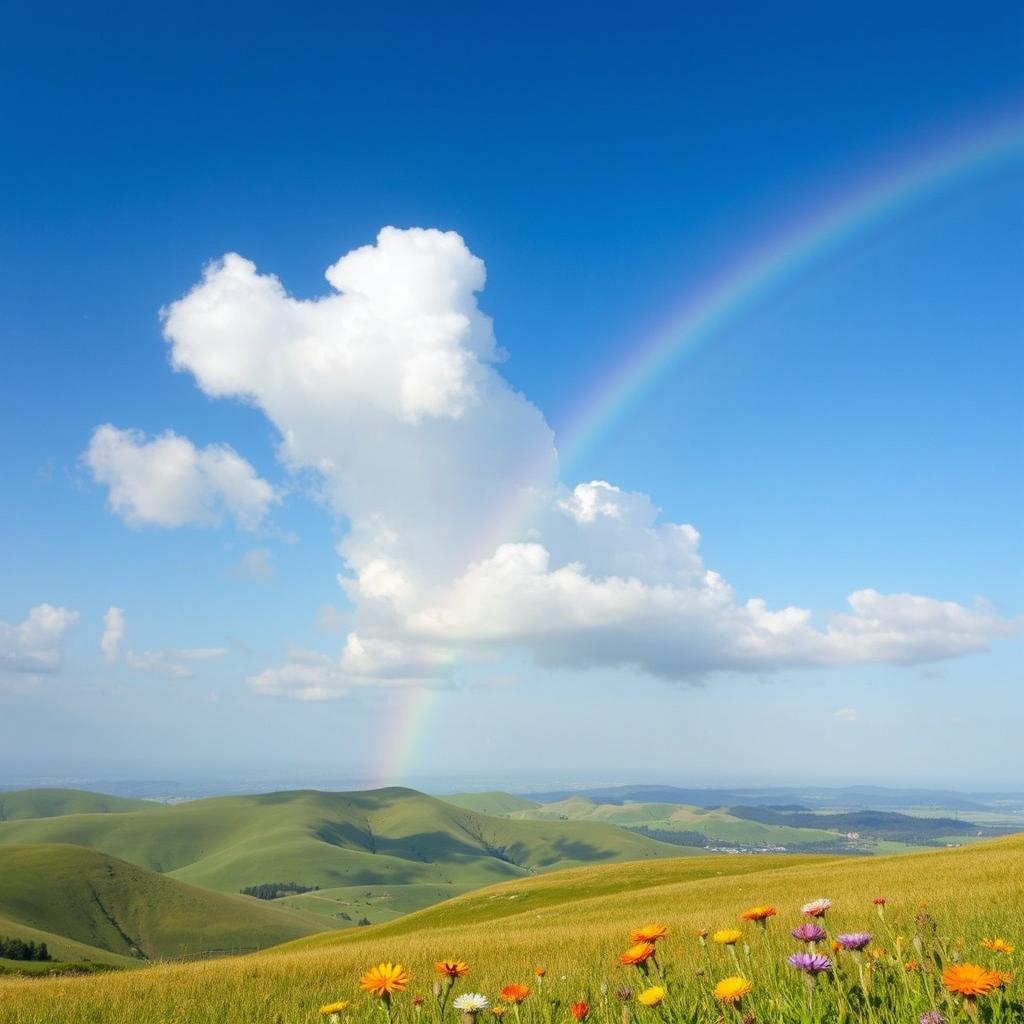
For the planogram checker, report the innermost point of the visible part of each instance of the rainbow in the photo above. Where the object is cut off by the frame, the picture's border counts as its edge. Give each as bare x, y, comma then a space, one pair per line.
900, 184
735, 288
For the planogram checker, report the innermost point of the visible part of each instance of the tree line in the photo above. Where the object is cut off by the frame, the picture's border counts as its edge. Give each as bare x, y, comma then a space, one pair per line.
20, 949
272, 890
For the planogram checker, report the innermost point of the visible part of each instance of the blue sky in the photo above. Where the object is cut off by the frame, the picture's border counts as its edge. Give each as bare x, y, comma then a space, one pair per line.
857, 428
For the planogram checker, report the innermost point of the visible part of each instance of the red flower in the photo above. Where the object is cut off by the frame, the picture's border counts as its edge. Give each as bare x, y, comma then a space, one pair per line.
580, 1010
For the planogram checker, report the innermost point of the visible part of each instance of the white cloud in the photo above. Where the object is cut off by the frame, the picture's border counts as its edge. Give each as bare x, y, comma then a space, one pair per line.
851, 715
173, 661
113, 633
35, 646
255, 565
462, 542
168, 481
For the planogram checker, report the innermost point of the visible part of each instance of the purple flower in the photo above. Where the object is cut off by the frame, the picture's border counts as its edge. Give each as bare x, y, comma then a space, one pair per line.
854, 940
809, 932
811, 963
932, 1017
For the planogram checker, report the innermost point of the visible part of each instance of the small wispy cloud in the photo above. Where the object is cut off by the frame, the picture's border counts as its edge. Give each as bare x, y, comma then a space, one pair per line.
851, 715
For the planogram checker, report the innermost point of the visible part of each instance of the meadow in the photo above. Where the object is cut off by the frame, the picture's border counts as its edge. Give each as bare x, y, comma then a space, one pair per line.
561, 937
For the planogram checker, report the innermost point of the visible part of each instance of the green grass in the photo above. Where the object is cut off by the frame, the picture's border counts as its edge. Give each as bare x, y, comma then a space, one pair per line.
346, 906
51, 803
86, 905
383, 837
496, 803
576, 922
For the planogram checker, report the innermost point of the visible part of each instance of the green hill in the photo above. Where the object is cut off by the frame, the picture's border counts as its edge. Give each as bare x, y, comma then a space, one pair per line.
20, 804
86, 905
576, 922
496, 804
389, 837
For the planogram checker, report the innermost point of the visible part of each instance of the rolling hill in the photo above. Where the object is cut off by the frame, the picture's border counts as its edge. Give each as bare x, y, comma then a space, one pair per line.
575, 922
395, 838
89, 906
19, 805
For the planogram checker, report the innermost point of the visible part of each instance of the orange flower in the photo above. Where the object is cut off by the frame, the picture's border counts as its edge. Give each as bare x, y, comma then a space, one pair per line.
998, 945
638, 954
579, 1010
758, 914
911, 965
540, 971
452, 968
515, 993
384, 980
649, 933
970, 980
1005, 977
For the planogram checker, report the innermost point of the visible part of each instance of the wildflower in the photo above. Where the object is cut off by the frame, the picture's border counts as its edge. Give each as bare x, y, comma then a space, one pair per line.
579, 1010
876, 953
811, 963
649, 933
758, 914
932, 1017
333, 1011
879, 901
471, 1003
1005, 977
653, 996
384, 980
911, 966
816, 908
701, 933
727, 936
998, 945
623, 993
515, 994
539, 972
639, 954
498, 1011
854, 941
808, 932
732, 990
452, 969
970, 980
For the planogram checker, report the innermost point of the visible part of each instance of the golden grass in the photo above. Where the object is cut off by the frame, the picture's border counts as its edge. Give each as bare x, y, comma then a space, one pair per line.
575, 923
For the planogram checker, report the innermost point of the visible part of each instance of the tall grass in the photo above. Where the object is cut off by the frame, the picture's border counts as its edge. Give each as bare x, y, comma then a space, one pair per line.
939, 907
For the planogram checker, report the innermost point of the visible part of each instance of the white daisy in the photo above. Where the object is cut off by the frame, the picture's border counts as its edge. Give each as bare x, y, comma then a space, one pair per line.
470, 1002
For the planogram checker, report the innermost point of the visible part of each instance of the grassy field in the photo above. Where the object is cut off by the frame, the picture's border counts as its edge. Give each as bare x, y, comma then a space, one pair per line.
387, 837
88, 906
575, 923
52, 803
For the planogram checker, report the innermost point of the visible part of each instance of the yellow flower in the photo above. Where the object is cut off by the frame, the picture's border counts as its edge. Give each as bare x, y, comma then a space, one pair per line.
997, 945
653, 996
1005, 977
339, 1007
732, 990
727, 936
384, 980
970, 980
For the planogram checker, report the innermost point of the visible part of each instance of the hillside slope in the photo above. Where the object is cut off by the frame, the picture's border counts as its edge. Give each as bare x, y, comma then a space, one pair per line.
21, 804
391, 837
574, 923
71, 893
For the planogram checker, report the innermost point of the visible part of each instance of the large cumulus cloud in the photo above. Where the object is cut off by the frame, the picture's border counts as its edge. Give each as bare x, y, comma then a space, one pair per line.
462, 543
